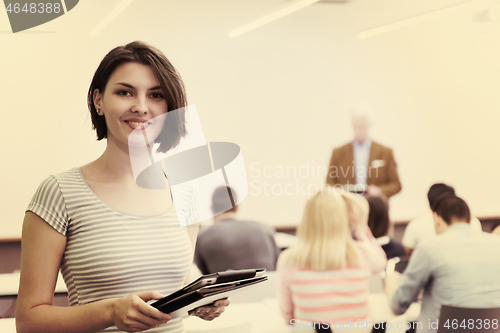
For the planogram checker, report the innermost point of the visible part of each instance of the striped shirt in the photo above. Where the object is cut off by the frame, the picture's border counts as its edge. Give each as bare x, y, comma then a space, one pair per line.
110, 253
334, 295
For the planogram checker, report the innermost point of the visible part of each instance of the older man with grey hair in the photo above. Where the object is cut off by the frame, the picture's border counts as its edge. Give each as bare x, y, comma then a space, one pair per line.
363, 163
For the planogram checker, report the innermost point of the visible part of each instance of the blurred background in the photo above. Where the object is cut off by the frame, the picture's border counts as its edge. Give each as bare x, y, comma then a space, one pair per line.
282, 91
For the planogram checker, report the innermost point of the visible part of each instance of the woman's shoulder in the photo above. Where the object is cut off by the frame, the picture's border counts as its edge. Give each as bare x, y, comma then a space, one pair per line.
52, 188
52, 181
283, 259
73, 173
285, 269
49, 202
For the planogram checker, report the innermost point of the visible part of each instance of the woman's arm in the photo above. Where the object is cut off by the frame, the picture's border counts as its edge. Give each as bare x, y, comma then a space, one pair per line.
42, 250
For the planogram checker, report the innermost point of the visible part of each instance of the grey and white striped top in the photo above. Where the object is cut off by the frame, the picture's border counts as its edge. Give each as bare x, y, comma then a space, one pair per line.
110, 253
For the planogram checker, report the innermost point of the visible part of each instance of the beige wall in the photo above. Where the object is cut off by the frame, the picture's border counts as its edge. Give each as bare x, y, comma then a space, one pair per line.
282, 92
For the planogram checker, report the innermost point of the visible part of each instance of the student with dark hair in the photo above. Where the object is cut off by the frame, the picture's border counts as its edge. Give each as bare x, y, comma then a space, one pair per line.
437, 191
378, 221
458, 267
232, 243
422, 227
116, 244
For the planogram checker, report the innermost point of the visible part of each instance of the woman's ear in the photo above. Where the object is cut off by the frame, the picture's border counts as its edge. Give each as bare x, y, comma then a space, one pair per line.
97, 97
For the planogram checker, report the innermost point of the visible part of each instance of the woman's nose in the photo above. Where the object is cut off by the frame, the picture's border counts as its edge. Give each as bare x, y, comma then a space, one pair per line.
140, 106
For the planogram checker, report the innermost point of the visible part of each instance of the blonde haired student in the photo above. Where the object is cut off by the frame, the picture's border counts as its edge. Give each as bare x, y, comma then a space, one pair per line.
323, 279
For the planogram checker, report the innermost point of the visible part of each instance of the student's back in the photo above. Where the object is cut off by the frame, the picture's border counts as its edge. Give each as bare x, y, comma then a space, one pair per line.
465, 266
236, 244
333, 295
457, 267
325, 275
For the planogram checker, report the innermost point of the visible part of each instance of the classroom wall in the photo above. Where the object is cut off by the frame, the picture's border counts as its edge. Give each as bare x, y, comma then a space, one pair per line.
281, 92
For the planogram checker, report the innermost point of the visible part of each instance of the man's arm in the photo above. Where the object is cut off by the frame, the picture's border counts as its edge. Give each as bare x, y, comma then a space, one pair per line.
393, 186
415, 277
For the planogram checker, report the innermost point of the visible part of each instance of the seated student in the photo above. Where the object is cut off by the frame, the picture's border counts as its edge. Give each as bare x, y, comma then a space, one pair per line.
325, 275
422, 227
232, 243
495, 228
457, 268
378, 221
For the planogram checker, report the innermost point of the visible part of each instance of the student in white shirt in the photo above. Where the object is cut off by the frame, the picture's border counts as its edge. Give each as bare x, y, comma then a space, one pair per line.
422, 227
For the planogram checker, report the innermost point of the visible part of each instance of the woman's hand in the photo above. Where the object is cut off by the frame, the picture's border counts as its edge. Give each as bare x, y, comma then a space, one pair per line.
132, 314
210, 312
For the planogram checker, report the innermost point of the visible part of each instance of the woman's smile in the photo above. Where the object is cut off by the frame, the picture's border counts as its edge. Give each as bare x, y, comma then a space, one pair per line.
134, 123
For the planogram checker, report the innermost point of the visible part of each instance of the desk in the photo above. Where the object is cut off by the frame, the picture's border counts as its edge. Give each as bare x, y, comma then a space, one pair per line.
265, 317
261, 317
380, 309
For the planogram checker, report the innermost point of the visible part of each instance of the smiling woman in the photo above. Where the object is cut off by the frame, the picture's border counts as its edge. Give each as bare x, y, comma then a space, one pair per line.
132, 98
117, 245
167, 82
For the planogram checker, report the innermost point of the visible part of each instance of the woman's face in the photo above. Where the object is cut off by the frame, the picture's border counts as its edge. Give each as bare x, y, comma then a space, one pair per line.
132, 99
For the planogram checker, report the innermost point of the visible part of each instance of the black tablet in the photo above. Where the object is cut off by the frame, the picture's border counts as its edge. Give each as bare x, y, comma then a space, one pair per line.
208, 289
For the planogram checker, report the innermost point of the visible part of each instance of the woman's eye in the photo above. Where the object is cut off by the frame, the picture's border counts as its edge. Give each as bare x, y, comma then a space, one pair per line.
157, 95
123, 93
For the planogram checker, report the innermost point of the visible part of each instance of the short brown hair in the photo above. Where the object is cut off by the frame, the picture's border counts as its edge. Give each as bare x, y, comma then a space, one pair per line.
168, 77
452, 207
